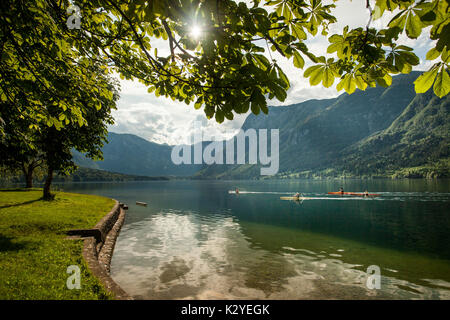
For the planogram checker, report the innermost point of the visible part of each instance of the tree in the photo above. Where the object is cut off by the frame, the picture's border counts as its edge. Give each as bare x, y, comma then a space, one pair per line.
28, 144
57, 143
17, 148
52, 97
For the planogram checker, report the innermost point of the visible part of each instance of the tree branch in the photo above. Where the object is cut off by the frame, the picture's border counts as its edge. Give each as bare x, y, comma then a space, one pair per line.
275, 45
371, 13
171, 40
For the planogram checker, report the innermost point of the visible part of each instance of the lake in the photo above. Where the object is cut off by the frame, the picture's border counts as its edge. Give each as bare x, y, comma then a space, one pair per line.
196, 240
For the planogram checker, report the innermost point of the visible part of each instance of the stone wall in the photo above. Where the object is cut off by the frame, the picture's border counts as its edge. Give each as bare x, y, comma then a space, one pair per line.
98, 250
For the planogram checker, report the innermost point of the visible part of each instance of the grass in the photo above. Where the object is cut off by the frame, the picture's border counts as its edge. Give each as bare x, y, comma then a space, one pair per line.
34, 251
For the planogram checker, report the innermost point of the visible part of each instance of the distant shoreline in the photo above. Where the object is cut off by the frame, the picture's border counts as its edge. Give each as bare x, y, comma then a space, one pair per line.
7, 185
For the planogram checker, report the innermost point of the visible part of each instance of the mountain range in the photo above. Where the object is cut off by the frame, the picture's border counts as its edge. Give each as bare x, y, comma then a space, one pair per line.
133, 155
377, 132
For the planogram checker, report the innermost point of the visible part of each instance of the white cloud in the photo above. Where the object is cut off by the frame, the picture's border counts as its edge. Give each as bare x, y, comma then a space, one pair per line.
162, 120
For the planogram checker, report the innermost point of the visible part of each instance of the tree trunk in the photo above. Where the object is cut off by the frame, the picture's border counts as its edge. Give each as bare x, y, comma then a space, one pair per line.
28, 175
29, 179
48, 181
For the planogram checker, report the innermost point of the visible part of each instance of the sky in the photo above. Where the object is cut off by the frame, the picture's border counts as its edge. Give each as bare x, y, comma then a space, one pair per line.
161, 120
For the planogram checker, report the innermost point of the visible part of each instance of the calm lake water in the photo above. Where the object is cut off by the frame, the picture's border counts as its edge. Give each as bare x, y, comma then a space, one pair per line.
195, 240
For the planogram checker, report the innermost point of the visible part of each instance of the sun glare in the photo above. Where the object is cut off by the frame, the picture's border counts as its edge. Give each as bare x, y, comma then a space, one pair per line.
196, 31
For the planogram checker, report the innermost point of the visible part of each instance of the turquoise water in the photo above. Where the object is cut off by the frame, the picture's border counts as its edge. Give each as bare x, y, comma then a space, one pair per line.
196, 240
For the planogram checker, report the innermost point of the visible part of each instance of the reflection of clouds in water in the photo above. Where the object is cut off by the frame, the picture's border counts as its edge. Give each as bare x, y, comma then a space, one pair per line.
187, 256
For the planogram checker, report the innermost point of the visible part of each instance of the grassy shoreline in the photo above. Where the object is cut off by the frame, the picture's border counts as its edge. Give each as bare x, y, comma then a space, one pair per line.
34, 251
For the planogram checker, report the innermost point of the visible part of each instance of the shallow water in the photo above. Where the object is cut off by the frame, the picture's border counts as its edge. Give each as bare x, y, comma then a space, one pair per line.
197, 240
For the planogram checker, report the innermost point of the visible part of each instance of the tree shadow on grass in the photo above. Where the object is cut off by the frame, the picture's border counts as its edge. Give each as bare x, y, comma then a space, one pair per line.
6, 244
19, 204
19, 189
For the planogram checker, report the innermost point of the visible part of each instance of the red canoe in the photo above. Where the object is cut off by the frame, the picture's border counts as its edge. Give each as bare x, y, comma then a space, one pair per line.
361, 194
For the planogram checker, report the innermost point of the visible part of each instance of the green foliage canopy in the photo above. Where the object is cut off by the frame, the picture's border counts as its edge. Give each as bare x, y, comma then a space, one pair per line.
41, 69
223, 67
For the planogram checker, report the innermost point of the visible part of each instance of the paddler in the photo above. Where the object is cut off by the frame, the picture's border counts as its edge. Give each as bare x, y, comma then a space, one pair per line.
366, 193
341, 190
297, 195
237, 191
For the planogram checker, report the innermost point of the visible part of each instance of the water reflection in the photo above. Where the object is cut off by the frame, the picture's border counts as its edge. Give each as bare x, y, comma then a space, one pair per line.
184, 255
195, 240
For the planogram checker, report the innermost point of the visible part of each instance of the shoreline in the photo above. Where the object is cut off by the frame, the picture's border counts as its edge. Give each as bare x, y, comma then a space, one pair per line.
98, 253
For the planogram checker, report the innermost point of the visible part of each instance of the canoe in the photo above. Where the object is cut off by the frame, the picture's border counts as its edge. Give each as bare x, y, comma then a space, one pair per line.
361, 194
293, 198
139, 203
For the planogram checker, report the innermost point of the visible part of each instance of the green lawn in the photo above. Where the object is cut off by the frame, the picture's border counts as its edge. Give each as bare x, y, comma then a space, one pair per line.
34, 254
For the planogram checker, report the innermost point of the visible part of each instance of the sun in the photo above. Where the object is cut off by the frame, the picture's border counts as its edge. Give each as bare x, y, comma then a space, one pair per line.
196, 31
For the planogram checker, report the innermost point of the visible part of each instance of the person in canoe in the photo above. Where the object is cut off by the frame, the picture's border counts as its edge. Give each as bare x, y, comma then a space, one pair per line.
237, 191
341, 190
366, 193
297, 196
